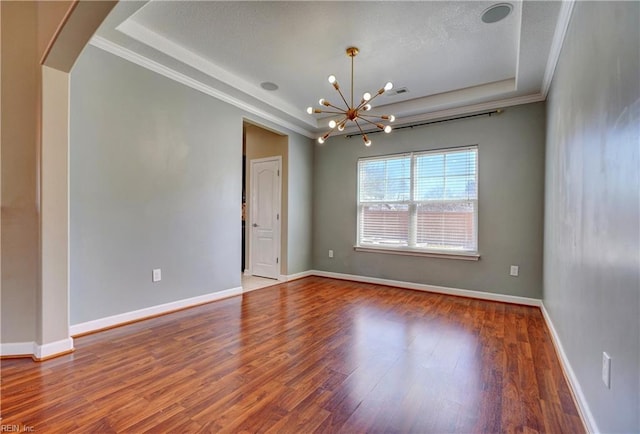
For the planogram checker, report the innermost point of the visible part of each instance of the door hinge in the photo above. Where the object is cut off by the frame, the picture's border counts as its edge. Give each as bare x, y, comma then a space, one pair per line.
277, 260
278, 172
277, 216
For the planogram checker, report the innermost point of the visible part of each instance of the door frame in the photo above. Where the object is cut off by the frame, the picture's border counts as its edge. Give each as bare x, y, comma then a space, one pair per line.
278, 240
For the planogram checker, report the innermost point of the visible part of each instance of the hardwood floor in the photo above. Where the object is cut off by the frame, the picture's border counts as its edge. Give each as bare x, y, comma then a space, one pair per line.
312, 355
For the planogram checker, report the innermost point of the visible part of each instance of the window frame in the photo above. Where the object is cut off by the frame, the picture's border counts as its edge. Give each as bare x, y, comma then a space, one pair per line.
469, 255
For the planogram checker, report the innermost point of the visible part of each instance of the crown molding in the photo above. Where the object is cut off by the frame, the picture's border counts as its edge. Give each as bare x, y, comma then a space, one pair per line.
519, 45
146, 36
458, 111
468, 109
133, 57
564, 17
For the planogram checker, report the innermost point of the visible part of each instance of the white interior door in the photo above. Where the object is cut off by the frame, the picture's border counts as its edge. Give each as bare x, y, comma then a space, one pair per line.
265, 217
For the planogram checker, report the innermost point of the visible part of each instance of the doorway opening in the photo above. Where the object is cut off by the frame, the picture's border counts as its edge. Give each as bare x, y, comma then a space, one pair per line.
264, 206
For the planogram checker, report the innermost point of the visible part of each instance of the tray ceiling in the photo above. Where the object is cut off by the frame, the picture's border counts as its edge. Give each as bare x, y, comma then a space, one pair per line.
449, 60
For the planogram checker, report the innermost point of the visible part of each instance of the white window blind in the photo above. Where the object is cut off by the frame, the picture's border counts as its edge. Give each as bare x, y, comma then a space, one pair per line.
424, 201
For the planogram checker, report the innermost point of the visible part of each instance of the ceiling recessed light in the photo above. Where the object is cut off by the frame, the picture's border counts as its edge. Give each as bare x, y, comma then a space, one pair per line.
267, 85
497, 12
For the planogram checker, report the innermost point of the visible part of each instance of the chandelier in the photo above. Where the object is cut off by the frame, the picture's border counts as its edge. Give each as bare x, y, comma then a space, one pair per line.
353, 112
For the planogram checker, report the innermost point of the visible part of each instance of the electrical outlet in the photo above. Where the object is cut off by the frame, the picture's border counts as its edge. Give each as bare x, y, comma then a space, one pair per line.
514, 270
156, 275
606, 370
331, 253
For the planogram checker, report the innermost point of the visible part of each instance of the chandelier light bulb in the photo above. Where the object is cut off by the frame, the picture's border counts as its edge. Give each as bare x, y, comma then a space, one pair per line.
387, 129
392, 118
367, 107
332, 124
310, 110
320, 140
366, 96
388, 86
321, 101
367, 142
341, 127
332, 79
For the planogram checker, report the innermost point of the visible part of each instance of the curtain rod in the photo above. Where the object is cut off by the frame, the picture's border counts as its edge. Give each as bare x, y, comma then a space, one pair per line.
498, 111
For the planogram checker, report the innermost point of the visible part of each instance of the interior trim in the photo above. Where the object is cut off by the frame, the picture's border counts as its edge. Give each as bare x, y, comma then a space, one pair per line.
149, 312
36, 352
52, 349
143, 34
566, 9
574, 385
17, 349
56, 34
93, 326
409, 252
133, 57
295, 276
474, 108
490, 296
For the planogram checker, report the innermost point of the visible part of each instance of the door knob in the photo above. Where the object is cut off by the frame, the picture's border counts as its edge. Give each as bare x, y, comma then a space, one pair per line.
255, 225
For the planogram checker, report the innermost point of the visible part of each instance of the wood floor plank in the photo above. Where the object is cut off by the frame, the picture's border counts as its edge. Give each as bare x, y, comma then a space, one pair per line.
312, 355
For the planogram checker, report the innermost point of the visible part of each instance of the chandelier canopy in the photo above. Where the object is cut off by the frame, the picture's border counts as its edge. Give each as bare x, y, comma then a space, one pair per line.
353, 112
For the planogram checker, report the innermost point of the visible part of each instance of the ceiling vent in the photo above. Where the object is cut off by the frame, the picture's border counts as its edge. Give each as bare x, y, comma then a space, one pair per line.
394, 92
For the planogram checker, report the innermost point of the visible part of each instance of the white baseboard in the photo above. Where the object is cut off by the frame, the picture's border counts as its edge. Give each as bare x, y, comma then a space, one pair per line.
52, 349
513, 299
295, 276
17, 349
32, 349
574, 384
122, 318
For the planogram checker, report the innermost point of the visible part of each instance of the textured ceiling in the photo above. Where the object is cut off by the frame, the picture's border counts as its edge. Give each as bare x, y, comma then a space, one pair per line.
442, 52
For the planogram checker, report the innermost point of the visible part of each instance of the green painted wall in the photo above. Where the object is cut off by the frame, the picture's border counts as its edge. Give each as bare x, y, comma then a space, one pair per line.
592, 207
510, 210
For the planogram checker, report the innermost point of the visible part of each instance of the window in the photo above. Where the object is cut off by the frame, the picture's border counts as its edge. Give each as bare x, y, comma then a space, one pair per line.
425, 202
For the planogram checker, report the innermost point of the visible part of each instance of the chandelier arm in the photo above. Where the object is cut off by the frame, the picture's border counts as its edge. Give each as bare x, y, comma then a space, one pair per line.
342, 96
328, 133
364, 103
337, 108
372, 123
372, 116
344, 119
341, 112
359, 127
334, 128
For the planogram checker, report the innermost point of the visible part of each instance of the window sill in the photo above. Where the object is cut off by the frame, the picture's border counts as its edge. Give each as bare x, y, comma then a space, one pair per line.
408, 252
